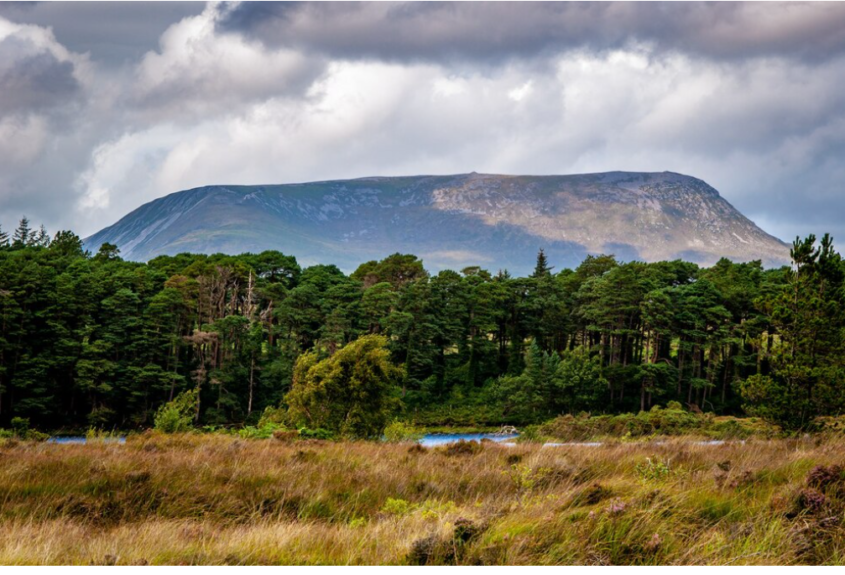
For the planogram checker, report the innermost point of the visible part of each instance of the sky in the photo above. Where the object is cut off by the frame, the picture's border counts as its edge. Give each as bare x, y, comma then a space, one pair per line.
106, 106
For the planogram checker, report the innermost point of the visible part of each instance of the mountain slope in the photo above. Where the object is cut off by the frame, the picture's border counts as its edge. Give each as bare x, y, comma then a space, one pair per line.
453, 221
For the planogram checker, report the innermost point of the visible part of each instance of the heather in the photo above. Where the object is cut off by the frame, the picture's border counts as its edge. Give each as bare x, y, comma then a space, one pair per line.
217, 499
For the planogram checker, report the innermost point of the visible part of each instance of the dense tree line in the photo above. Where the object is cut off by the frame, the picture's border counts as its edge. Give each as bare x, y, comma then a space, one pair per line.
91, 339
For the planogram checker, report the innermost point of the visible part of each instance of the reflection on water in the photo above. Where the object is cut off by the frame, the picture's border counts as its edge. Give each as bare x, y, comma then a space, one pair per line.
435, 439
77, 440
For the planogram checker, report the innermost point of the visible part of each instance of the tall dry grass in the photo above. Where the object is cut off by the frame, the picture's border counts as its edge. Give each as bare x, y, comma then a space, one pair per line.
218, 500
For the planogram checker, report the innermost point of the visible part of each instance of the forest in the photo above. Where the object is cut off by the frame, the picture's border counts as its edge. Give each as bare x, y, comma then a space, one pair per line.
90, 340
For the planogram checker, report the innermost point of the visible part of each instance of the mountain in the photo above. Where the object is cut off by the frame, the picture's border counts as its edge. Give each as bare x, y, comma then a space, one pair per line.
495, 221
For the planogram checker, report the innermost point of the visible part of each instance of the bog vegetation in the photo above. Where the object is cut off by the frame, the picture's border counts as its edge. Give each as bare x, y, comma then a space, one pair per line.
216, 499
255, 340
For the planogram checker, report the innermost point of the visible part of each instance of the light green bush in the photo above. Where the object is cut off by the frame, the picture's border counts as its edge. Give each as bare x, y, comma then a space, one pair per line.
399, 431
396, 507
177, 416
261, 432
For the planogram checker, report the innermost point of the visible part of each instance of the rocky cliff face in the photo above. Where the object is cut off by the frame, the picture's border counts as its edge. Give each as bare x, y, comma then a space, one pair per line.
494, 221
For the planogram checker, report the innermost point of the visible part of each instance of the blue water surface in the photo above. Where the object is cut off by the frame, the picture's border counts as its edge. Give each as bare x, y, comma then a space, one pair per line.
81, 440
434, 439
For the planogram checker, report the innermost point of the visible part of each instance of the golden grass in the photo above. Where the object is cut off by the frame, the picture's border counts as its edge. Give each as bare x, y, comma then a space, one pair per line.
219, 500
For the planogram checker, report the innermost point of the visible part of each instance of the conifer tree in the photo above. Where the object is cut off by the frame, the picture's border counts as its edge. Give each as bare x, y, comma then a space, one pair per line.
21, 236
4, 238
41, 238
542, 268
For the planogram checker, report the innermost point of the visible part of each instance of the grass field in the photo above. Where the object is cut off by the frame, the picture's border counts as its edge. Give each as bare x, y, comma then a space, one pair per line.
194, 499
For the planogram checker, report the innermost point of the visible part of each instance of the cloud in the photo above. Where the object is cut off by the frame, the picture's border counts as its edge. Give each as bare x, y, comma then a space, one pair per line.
745, 96
492, 32
198, 72
111, 34
42, 85
36, 73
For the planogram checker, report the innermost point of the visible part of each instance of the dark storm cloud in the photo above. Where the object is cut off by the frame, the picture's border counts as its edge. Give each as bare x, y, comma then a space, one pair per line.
434, 31
111, 32
34, 82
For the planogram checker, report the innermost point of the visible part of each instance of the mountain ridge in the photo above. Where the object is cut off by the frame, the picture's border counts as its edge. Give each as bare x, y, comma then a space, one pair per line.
492, 220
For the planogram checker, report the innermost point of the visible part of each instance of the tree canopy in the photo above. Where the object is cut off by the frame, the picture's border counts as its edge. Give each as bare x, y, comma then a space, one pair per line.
92, 339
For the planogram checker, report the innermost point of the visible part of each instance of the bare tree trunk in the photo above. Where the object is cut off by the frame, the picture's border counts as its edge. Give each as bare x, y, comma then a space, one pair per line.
251, 386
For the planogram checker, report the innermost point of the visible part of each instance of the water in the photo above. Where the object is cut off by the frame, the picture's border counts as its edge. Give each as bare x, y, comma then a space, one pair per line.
430, 440
82, 440
435, 439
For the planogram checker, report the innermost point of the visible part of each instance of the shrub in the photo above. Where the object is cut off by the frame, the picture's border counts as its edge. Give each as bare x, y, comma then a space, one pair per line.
318, 433
275, 415
653, 469
396, 507
810, 500
285, 434
20, 425
352, 392
671, 421
821, 476
399, 431
21, 430
177, 416
265, 431
461, 447
525, 477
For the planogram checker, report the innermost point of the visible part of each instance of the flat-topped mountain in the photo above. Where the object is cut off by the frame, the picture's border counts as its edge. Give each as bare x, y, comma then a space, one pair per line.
495, 221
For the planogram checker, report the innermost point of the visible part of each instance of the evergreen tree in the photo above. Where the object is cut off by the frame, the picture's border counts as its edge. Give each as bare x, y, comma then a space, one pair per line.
808, 375
4, 239
542, 268
94, 340
21, 236
41, 238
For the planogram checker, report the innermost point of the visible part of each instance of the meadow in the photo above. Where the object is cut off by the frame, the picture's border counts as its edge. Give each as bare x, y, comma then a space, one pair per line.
217, 499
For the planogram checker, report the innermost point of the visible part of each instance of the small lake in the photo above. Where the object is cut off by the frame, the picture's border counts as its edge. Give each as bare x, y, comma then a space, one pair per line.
81, 440
435, 439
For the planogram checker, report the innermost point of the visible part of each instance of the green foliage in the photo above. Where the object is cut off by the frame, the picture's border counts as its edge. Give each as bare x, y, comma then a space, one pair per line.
20, 426
264, 431
318, 433
352, 392
22, 430
580, 381
656, 422
807, 367
653, 469
396, 507
525, 477
93, 340
272, 416
399, 431
177, 416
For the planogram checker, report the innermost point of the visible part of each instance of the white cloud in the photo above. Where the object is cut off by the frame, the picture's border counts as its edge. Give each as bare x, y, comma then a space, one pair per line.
208, 107
519, 94
197, 71
588, 112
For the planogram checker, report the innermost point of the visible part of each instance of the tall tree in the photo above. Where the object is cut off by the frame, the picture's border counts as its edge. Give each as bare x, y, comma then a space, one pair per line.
22, 234
542, 267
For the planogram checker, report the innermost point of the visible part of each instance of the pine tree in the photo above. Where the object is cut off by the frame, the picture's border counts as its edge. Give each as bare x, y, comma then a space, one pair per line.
20, 238
542, 268
41, 238
4, 238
